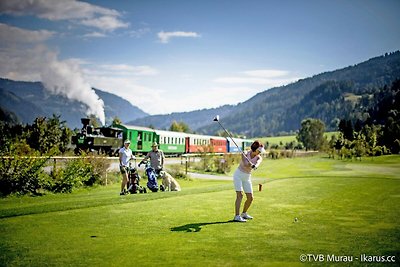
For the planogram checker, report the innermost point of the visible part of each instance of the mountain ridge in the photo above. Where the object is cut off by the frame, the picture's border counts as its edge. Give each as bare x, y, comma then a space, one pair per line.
37, 101
274, 111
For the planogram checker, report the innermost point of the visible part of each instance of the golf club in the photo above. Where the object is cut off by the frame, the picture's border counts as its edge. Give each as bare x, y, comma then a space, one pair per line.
216, 118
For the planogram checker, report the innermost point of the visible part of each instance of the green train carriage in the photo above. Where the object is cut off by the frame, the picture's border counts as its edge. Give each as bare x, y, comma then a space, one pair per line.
141, 137
171, 142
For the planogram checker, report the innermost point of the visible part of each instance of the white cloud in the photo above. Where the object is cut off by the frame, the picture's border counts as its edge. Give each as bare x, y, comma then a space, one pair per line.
10, 34
126, 81
267, 78
241, 80
139, 32
146, 98
266, 73
22, 52
120, 70
77, 11
106, 23
166, 36
95, 35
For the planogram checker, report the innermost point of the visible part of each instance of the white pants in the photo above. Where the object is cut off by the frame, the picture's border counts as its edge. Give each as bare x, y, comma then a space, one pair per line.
242, 181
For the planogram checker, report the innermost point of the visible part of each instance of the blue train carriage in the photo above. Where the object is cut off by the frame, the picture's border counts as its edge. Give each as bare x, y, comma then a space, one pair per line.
244, 144
171, 142
141, 137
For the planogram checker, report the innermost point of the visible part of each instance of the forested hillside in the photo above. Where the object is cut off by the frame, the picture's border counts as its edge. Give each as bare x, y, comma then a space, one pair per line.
195, 119
329, 96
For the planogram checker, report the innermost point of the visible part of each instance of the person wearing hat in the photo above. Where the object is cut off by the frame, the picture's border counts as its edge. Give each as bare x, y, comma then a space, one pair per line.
242, 180
156, 157
125, 155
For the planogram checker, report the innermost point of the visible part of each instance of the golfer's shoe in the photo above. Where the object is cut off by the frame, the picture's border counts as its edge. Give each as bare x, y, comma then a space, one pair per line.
237, 218
246, 216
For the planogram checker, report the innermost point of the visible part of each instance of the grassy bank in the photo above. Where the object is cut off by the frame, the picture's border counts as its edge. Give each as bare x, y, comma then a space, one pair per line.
278, 140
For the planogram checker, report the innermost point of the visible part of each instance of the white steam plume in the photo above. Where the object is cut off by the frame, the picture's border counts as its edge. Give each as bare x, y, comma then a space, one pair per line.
24, 57
65, 78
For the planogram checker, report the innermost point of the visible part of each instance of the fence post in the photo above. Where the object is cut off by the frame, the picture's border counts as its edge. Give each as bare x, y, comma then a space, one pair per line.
186, 163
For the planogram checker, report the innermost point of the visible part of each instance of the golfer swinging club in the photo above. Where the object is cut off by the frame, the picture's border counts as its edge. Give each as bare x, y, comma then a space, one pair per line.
242, 180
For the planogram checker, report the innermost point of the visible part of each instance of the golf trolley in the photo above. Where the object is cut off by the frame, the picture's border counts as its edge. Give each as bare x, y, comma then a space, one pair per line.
133, 181
151, 177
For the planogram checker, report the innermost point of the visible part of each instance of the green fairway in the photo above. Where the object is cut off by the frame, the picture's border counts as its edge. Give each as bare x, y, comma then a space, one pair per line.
315, 206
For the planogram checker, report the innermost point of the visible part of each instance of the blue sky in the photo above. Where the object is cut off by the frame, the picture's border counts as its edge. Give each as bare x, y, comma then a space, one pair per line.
172, 56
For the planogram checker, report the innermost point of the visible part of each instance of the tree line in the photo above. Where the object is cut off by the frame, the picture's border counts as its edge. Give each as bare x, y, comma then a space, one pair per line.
377, 134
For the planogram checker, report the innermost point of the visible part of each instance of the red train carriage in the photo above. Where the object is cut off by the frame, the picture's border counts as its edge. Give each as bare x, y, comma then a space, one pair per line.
197, 143
218, 144
204, 143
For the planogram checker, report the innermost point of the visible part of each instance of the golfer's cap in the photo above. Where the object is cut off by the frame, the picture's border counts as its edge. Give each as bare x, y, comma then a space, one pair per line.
154, 144
127, 141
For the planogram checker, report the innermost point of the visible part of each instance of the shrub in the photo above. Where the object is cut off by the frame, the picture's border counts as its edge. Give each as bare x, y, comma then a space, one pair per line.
396, 147
217, 164
21, 174
75, 174
177, 171
80, 172
99, 170
273, 154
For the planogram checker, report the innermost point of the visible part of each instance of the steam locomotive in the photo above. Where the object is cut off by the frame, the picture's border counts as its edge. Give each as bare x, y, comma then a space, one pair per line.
104, 140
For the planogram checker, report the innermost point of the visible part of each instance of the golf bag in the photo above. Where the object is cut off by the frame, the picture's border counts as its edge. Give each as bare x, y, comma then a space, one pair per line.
151, 178
133, 182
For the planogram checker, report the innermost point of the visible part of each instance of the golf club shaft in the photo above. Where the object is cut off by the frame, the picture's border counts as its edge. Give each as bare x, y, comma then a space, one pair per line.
235, 143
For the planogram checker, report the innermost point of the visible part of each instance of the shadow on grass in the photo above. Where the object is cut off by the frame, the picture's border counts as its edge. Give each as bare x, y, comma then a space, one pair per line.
195, 227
